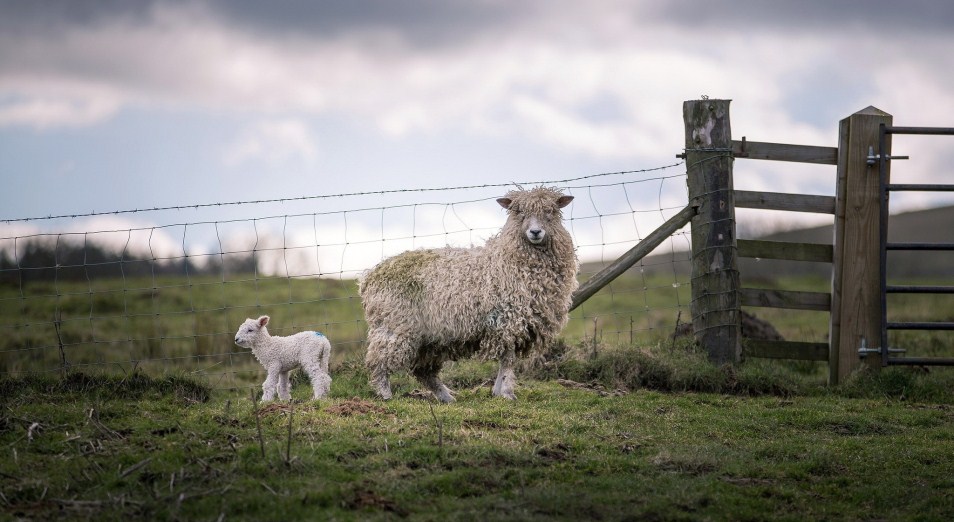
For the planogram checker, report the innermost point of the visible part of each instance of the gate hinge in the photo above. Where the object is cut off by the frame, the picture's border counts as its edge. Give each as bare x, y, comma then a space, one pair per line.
873, 158
863, 351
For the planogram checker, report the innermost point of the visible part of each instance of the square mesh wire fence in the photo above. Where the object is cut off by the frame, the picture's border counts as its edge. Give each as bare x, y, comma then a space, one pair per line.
121, 291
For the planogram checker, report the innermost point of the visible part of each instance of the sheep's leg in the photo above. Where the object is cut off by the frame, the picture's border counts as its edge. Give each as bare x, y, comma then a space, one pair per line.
381, 382
440, 391
269, 386
386, 352
427, 375
503, 386
284, 386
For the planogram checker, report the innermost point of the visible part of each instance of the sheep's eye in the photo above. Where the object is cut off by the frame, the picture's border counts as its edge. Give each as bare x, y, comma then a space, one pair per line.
251, 329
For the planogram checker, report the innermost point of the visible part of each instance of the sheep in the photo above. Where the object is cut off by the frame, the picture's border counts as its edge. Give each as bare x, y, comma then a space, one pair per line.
498, 301
280, 355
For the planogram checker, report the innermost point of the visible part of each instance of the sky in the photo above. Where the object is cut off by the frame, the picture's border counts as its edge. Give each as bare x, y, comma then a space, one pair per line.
111, 106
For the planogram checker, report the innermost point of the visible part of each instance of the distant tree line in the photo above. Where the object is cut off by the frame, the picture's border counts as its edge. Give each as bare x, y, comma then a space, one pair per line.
42, 261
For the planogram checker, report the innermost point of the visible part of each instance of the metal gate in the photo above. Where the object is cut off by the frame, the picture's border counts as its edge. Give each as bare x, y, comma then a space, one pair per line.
886, 189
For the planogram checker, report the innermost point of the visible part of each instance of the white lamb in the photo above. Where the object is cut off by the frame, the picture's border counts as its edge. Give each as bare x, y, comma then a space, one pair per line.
280, 355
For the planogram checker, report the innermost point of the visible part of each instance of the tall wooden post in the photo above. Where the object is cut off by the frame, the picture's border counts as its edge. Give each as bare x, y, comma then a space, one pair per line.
715, 274
856, 288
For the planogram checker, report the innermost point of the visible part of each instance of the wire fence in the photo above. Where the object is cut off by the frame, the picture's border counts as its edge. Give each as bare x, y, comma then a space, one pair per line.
75, 294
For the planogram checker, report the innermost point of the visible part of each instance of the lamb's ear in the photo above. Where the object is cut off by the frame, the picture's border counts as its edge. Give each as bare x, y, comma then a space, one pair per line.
262, 321
564, 201
505, 202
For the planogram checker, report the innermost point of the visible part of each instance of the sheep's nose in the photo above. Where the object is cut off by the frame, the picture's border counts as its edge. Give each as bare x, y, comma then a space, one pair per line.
535, 232
236, 340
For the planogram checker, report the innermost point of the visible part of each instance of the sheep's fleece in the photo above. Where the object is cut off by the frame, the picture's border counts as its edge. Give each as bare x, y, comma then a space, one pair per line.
500, 300
280, 355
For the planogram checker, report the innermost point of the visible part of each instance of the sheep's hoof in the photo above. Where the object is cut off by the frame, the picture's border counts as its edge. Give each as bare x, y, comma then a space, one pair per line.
509, 395
446, 398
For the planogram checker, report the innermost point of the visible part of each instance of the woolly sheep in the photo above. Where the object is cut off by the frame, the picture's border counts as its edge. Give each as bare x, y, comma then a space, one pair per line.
280, 355
498, 301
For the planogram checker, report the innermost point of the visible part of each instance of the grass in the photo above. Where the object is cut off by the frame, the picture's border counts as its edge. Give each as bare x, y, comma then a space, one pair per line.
628, 433
152, 418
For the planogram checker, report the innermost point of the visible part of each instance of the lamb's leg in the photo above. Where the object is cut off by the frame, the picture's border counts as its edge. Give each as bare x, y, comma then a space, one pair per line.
284, 386
503, 386
320, 380
427, 375
268, 387
321, 383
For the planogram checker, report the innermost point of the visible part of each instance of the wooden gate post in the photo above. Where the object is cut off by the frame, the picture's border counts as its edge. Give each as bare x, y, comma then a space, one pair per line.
715, 275
856, 287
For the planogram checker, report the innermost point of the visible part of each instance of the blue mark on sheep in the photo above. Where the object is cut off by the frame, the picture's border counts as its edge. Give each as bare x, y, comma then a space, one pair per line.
319, 334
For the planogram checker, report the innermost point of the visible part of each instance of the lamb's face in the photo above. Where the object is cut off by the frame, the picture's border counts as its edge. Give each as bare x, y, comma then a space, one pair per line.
251, 331
535, 212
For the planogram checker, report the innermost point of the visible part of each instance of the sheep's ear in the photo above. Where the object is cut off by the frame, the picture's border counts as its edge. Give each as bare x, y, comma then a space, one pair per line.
564, 201
505, 202
262, 321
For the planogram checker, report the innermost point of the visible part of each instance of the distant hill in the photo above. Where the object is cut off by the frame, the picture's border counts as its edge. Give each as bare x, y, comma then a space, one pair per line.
934, 225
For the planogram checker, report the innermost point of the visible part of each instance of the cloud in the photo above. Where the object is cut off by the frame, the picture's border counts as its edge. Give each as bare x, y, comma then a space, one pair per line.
534, 71
274, 142
57, 109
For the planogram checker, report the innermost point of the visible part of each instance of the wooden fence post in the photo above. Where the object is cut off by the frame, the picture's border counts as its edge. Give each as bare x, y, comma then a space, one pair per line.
715, 274
856, 289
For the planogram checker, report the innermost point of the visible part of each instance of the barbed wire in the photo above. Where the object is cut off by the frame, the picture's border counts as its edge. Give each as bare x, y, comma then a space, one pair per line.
328, 196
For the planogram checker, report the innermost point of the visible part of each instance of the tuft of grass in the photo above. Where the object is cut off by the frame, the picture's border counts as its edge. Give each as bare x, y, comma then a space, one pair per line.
669, 367
134, 386
912, 384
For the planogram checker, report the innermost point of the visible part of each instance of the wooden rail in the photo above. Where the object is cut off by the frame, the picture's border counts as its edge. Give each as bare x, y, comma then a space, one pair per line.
785, 250
785, 152
790, 299
790, 202
803, 351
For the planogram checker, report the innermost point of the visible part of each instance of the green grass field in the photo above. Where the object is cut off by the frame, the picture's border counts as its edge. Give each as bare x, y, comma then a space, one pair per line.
633, 439
153, 418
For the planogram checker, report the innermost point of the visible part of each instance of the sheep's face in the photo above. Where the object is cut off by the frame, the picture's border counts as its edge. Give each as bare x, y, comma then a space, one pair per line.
251, 331
535, 212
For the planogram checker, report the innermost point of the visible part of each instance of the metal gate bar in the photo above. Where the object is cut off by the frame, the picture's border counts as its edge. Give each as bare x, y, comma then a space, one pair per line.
886, 189
912, 289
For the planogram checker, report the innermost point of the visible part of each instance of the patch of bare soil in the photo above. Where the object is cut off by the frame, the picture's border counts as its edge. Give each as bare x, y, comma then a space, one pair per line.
365, 498
592, 387
355, 406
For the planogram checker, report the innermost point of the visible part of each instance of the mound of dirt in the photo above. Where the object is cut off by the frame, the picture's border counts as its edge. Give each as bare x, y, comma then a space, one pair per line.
355, 406
752, 328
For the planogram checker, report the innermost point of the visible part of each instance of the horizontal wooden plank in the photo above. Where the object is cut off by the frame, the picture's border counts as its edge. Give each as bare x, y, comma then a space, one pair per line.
789, 299
780, 201
761, 249
785, 152
802, 351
